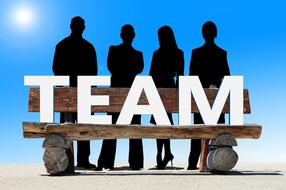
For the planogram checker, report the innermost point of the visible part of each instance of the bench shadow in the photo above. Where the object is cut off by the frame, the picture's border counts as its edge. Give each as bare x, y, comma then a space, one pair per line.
166, 168
168, 171
248, 173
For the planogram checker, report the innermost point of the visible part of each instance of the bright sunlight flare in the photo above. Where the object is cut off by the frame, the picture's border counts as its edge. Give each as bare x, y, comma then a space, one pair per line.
23, 17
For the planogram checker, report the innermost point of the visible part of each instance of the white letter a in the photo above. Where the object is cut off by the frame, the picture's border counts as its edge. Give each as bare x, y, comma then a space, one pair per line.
155, 106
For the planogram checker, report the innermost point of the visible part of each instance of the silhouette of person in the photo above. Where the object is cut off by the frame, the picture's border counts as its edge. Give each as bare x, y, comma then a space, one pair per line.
167, 63
124, 63
75, 56
209, 62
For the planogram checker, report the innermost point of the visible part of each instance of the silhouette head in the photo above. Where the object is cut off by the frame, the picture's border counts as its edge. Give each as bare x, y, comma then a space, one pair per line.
77, 25
167, 38
209, 31
127, 34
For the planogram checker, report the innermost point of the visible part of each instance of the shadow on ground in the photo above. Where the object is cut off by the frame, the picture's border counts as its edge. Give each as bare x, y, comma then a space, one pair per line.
168, 171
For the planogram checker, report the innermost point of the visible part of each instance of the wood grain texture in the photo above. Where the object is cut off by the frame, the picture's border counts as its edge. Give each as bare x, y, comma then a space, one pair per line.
55, 141
58, 155
65, 99
55, 159
223, 140
70, 153
222, 159
90, 131
204, 153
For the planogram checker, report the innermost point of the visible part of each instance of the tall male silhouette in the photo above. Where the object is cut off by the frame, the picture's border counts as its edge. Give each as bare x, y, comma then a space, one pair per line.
167, 63
75, 56
209, 62
124, 63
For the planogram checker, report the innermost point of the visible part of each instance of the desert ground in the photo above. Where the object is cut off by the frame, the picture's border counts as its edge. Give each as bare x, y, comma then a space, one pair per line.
242, 177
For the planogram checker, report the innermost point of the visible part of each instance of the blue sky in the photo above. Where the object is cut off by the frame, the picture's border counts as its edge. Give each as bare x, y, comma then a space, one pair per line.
253, 33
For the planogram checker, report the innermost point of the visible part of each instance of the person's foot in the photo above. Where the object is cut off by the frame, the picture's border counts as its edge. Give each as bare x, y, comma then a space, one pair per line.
162, 165
192, 168
135, 168
168, 157
159, 162
86, 165
100, 168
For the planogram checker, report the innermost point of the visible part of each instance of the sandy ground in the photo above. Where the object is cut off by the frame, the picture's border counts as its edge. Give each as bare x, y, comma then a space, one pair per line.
243, 177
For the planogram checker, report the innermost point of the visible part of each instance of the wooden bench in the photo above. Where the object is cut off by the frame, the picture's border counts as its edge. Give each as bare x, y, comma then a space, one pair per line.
65, 100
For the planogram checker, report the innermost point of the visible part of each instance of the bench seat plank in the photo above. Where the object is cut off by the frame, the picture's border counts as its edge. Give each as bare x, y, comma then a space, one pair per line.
92, 131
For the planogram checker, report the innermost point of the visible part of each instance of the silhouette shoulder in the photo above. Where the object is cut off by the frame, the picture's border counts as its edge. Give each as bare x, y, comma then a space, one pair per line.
204, 49
87, 43
197, 50
112, 47
138, 52
222, 51
180, 52
63, 42
156, 52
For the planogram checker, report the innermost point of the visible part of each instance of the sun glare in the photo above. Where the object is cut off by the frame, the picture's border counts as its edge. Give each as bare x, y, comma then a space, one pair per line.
26, 23
23, 17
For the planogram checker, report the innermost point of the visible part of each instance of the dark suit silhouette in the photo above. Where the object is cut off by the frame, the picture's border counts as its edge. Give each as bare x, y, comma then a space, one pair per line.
75, 56
209, 62
167, 63
124, 63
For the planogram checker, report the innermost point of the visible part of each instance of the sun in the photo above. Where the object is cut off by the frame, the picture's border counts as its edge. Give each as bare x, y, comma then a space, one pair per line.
26, 23
23, 17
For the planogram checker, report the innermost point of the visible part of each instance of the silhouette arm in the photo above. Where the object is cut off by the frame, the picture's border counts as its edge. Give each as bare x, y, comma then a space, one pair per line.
94, 62
140, 64
57, 62
153, 64
193, 63
226, 67
181, 67
110, 60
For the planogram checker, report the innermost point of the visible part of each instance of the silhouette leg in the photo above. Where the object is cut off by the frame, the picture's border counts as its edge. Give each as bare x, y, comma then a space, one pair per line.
194, 154
83, 152
83, 147
136, 157
135, 154
159, 143
197, 143
166, 142
108, 150
107, 154
195, 146
168, 155
70, 152
167, 146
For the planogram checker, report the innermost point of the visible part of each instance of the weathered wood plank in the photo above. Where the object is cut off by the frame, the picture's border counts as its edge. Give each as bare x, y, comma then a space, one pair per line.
66, 99
204, 154
90, 131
